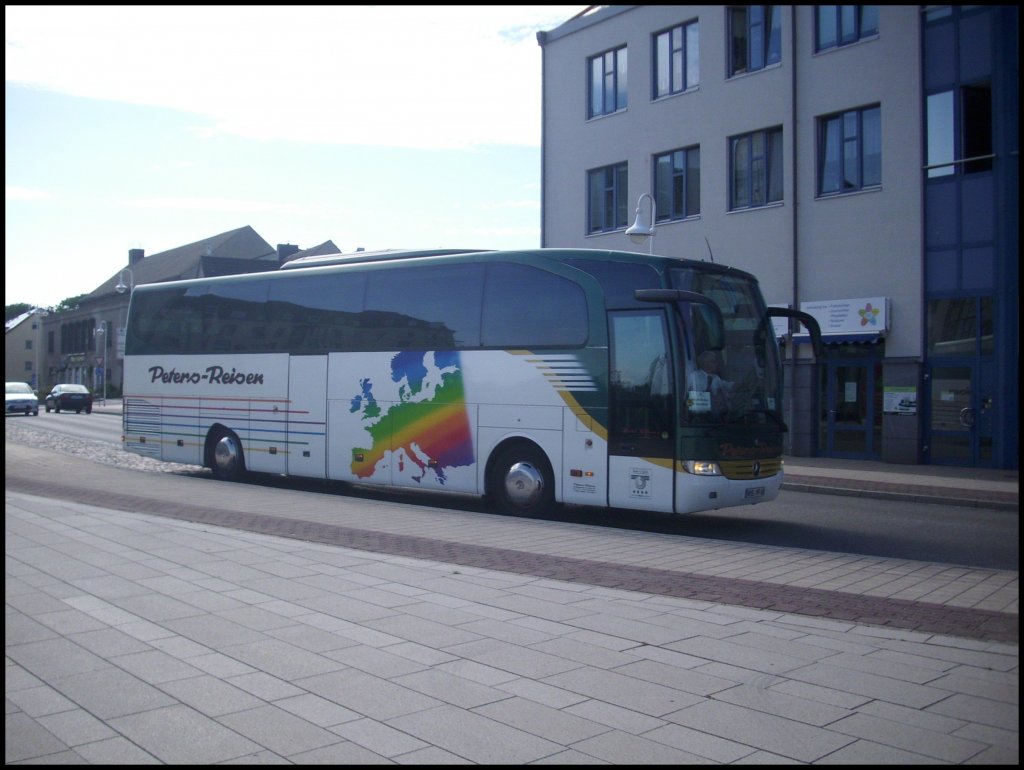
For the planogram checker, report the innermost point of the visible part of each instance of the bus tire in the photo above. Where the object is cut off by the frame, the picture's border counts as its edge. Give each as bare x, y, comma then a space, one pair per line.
226, 459
520, 481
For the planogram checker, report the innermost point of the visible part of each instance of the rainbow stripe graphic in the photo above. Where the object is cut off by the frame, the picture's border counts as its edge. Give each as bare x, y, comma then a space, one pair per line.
430, 431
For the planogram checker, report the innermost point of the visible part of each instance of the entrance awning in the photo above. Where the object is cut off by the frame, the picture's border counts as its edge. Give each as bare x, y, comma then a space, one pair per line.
867, 338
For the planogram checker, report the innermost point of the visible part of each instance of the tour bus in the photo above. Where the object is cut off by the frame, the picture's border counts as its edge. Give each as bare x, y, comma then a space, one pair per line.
532, 377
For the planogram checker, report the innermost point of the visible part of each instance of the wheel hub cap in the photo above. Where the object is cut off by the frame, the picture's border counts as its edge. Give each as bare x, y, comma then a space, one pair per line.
524, 484
225, 454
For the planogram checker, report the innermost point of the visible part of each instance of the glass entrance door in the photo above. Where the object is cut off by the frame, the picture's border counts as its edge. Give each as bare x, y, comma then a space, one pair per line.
850, 423
960, 426
960, 423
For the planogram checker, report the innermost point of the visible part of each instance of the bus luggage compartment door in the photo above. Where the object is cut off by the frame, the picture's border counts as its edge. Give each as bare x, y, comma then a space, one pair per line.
307, 416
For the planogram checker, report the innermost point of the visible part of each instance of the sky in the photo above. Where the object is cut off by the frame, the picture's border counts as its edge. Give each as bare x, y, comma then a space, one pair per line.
373, 127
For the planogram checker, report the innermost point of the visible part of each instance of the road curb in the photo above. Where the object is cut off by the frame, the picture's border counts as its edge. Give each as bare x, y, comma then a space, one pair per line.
952, 497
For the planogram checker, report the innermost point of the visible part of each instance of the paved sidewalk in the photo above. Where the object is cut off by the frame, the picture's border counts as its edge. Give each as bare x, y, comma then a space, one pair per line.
132, 638
282, 625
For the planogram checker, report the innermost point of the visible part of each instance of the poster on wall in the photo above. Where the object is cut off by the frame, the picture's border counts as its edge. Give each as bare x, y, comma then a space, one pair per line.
900, 400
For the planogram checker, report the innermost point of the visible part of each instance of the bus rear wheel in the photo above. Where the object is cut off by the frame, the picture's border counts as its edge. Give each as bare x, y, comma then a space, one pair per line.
226, 458
521, 482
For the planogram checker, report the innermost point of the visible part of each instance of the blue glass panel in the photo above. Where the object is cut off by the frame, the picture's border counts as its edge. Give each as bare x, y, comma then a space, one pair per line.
692, 55
979, 268
978, 207
940, 213
975, 47
939, 56
941, 136
942, 270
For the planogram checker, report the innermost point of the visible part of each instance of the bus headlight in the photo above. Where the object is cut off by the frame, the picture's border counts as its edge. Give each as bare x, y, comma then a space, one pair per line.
702, 468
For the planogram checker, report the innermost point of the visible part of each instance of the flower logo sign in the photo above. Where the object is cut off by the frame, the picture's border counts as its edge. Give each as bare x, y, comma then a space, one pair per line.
869, 315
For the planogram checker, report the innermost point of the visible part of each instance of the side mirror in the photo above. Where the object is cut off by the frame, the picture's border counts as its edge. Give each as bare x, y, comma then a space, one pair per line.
807, 320
716, 325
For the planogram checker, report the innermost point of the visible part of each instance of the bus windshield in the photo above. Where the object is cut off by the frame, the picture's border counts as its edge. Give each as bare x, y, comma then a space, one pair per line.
736, 379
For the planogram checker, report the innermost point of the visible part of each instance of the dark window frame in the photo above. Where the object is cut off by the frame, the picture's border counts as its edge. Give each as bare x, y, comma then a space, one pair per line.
611, 87
848, 23
758, 147
754, 38
676, 70
611, 185
675, 196
852, 169
970, 119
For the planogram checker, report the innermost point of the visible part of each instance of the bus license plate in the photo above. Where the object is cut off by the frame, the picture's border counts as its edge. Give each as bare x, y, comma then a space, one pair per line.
753, 492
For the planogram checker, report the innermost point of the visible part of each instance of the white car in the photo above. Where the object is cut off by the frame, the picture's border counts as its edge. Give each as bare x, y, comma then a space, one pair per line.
19, 398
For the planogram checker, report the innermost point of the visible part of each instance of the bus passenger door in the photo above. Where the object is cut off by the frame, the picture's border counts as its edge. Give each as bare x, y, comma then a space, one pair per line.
307, 416
641, 434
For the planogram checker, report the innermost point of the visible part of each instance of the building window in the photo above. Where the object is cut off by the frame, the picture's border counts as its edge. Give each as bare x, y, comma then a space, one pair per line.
755, 38
607, 72
677, 183
961, 326
28, 344
838, 25
850, 151
607, 198
28, 366
676, 59
960, 130
755, 162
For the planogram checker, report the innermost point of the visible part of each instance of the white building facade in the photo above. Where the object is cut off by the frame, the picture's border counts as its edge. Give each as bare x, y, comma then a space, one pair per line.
23, 348
793, 142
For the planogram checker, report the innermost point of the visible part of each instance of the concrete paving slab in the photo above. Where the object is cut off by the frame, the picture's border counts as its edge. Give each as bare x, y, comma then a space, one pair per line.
524, 667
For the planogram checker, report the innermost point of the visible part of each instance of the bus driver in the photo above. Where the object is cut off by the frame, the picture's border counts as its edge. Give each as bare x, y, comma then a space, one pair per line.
707, 390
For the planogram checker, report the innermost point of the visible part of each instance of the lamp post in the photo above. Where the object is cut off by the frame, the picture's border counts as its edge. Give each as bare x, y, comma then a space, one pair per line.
638, 232
100, 332
121, 288
41, 364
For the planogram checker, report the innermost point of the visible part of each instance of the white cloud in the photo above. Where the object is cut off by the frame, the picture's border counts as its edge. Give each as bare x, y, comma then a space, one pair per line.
14, 193
232, 205
423, 76
501, 205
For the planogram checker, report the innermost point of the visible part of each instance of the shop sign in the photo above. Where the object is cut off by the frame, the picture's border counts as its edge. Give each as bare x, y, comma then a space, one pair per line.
868, 316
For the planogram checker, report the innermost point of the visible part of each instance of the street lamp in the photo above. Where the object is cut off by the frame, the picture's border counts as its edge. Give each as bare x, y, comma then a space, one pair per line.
638, 232
100, 333
123, 287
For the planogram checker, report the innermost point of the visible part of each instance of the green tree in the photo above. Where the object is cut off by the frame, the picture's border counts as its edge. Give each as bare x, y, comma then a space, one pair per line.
67, 304
15, 310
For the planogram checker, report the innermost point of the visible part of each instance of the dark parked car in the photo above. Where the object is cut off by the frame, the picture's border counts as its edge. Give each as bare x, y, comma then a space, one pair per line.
66, 397
19, 398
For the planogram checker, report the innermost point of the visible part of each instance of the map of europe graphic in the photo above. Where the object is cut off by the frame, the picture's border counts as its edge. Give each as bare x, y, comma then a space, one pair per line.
427, 426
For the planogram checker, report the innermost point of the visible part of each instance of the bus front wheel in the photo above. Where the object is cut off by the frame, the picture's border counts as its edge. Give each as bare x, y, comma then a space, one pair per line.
521, 482
226, 458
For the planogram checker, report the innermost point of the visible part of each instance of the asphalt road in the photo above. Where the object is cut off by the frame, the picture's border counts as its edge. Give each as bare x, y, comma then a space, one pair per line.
975, 537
